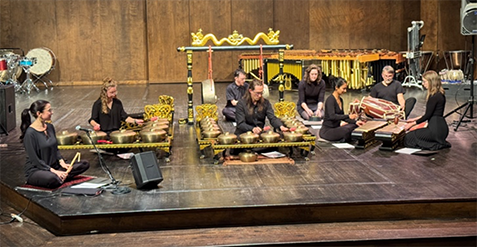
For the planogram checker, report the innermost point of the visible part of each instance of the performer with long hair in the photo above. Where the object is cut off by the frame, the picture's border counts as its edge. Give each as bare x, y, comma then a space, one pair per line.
253, 109
332, 129
108, 110
44, 166
311, 93
432, 137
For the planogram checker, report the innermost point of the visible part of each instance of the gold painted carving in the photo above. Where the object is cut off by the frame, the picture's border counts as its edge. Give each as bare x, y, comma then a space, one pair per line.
236, 39
158, 110
285, 108
166, 100
206, 110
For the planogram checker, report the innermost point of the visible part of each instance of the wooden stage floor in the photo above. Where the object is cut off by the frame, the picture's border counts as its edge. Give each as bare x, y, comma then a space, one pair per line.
336, 185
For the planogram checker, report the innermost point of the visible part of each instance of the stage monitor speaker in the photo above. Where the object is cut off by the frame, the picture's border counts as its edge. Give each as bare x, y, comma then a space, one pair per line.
146, 170
468, 17
7, 108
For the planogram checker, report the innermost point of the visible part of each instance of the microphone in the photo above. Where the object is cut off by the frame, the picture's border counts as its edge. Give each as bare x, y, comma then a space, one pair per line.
84, 129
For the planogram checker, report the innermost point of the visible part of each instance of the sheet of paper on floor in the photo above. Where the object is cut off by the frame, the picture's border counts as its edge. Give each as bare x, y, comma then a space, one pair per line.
407, 150
343, 145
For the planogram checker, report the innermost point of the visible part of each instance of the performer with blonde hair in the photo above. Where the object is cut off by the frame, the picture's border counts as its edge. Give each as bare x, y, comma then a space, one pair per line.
108, 110
432, 137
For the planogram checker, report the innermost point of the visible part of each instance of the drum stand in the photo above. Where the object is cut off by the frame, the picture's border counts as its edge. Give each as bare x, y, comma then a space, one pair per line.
44, 76
469, 76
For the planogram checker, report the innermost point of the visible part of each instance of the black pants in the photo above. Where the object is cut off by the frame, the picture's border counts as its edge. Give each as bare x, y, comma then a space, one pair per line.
229, 113
48, 179
409, 105
342, 133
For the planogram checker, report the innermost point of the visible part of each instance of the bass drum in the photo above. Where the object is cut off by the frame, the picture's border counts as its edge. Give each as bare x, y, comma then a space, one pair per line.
45, 60
208, 92
13, 70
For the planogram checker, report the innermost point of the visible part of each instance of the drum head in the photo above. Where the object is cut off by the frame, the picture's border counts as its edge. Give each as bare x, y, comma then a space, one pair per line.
45, 59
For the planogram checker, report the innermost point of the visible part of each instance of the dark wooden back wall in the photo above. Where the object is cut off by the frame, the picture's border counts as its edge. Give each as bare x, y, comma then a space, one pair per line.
135, 40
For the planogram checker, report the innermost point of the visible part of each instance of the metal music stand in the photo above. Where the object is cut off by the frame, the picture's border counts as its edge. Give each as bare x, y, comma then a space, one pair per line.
413, 54
469, 76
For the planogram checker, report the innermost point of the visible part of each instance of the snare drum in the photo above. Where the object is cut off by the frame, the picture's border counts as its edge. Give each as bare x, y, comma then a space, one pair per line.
45, 60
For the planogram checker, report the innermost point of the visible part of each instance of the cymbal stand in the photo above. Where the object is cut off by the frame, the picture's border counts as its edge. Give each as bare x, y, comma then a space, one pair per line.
28, 83
469, 76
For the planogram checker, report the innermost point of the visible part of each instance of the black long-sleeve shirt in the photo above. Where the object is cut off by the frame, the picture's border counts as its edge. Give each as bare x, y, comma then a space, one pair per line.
111, 121
312, 93
41, 149
247, 121
434, 107
334, 114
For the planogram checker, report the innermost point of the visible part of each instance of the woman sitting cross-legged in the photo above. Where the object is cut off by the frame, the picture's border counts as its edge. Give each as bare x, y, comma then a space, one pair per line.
44, 166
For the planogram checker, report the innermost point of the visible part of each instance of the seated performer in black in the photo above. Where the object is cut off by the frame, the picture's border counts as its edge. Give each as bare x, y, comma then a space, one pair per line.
311, 93
44, 166
392, 90
234, 92
432, 137
331, 129
253, 109
108, 110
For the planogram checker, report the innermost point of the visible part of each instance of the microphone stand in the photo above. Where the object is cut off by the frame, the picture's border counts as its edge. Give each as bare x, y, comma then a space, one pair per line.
116, 189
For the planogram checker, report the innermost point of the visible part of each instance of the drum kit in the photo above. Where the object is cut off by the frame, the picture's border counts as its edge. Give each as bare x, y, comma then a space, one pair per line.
37, 64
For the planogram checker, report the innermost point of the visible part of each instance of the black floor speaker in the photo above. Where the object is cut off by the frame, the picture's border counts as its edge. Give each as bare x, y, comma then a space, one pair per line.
7, 108
146, 170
